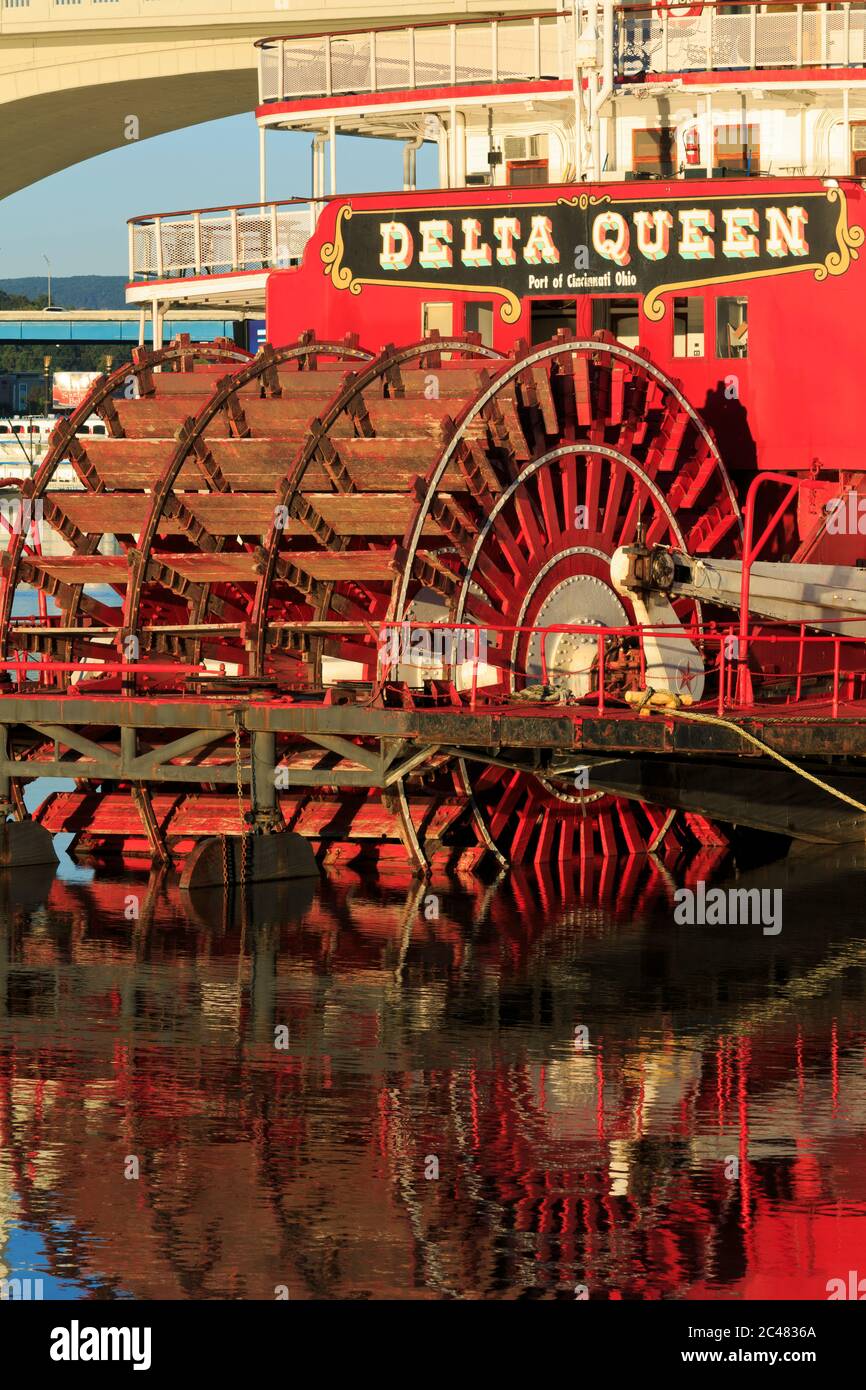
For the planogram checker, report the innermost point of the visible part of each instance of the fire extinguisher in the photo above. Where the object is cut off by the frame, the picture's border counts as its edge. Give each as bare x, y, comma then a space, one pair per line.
680, 11
692, 145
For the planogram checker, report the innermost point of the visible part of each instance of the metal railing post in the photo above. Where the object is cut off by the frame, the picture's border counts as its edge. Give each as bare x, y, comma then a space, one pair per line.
800, 23
235, 241
131, 234
196, 232
275, 232
476, 638
374, 84
846, 29
157, 231
329, 87
494, 51
601, 673
411, 36
800, 658
536, 40
453, 29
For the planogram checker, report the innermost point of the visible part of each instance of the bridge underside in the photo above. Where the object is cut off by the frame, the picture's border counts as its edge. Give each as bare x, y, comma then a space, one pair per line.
46, 133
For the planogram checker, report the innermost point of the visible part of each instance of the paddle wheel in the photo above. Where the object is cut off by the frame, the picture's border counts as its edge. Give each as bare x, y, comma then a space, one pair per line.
248, 525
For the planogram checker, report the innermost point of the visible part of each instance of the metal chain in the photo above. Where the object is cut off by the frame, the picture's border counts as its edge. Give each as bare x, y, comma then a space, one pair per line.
238, 766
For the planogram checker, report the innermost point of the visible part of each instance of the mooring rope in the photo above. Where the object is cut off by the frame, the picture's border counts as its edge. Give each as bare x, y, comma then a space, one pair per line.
765, 748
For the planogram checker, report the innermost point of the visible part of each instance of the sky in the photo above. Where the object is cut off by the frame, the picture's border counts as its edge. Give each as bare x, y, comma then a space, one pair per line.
77, 218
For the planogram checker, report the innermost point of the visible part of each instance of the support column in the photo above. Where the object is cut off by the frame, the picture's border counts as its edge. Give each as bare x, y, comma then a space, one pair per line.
442, 148
710, 160
156, 324
332, 153
5, 781
452, 146
263, 167
142, 326
263, 786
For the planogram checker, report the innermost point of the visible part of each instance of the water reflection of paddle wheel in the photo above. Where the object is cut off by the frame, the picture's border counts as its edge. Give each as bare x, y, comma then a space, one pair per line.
437, 1036
264, 516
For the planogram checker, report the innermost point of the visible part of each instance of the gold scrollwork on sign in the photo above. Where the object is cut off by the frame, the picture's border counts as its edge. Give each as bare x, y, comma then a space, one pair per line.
847, 240
836, 262
582, 201
340, 275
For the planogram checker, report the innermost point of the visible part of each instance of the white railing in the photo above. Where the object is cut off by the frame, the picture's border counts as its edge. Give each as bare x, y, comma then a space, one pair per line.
758, 37
219, 241
524, 48
650, 38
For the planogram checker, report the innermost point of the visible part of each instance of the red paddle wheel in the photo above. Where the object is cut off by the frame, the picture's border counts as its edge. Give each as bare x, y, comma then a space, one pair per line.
587, 441
263, 517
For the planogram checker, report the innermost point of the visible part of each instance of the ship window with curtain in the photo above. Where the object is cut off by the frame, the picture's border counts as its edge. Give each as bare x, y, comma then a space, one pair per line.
732, 326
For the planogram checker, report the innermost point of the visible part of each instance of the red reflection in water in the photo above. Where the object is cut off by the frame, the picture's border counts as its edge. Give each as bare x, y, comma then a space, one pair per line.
706, 1143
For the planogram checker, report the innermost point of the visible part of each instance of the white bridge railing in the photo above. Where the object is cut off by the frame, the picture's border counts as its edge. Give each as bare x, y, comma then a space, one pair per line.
219, 241
650, 38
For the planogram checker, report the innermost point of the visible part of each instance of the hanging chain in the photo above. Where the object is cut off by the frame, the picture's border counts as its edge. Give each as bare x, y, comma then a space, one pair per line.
239, 767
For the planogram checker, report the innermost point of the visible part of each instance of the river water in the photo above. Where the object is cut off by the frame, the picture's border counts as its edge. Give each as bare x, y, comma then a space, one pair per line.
362, 1087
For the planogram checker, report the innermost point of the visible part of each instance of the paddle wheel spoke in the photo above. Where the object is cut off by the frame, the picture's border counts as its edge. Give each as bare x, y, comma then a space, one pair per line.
553, 521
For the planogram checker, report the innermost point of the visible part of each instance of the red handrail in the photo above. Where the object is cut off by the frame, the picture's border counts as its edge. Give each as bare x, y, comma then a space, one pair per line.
499, 17
228, 207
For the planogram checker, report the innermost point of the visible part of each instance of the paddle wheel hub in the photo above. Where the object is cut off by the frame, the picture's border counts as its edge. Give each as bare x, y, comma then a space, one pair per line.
569, 657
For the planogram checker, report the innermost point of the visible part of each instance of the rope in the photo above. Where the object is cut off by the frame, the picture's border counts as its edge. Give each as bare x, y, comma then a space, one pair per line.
765, 748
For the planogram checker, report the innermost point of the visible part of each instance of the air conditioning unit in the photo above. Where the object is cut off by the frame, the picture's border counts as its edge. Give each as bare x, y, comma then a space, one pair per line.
525, 146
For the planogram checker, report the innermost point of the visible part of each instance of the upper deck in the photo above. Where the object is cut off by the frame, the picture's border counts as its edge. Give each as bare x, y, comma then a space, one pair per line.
620, 92
382, 69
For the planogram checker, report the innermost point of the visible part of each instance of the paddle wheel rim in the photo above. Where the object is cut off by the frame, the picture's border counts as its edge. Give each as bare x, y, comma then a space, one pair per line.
538, 789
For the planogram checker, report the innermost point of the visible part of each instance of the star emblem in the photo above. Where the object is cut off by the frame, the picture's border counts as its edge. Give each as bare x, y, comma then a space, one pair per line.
686, 676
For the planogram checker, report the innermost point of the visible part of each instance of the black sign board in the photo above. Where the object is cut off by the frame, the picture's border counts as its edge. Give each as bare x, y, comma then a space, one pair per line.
592, 244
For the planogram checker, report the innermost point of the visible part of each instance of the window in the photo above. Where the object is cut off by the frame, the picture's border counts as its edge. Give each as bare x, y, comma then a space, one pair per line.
526, 171
732, 327
653, 152
439, 317
737, 149
689, 326
547, 316
621, 317
478, 318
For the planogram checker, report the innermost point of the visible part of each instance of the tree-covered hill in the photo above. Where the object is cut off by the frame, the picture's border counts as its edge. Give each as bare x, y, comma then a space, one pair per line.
68, 291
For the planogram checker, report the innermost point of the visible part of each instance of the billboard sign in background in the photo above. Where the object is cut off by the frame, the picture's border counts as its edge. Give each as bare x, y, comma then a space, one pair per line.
69, 388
